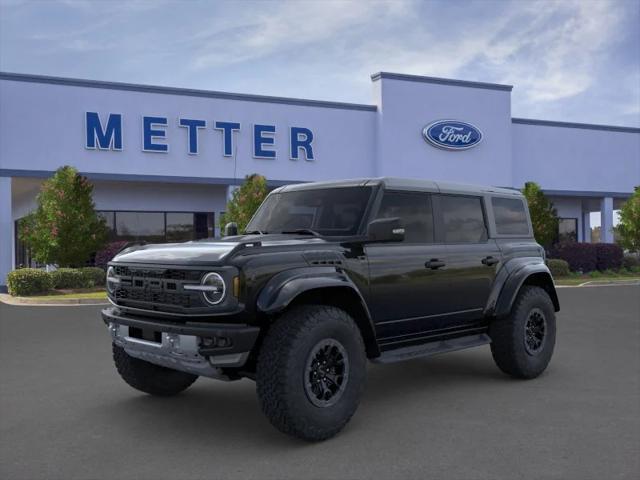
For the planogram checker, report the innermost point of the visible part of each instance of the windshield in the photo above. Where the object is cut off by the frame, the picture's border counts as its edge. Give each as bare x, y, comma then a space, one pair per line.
327, 212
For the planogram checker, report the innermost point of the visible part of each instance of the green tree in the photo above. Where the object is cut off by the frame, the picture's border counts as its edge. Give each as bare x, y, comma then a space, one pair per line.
628, 229
245, 201
544, 217
65, 228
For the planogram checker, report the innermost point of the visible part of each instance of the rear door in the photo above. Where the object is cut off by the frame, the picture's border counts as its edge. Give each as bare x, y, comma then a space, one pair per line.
471, 257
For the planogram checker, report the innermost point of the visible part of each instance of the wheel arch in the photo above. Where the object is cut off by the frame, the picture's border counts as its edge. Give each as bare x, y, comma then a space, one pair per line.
323, 286
535, 274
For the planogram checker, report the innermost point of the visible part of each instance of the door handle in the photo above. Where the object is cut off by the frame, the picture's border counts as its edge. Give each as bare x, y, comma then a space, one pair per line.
434, 264
489, 261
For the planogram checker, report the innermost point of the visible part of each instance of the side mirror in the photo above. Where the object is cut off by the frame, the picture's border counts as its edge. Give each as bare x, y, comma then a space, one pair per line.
231, 229
385, 230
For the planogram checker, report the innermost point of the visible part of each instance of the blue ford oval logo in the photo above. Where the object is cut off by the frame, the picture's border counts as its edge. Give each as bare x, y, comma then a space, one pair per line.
452, 134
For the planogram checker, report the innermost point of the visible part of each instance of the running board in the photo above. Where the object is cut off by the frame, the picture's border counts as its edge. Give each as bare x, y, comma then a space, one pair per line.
433, 348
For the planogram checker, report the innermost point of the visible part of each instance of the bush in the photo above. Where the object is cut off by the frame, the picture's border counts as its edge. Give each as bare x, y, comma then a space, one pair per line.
92, 277
558, 267
581, 257
28, 281
105, 255
67, 278
631, 262
609, 256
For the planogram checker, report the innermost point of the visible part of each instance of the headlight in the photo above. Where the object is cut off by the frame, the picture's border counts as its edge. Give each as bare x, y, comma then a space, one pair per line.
212, 288
112, 280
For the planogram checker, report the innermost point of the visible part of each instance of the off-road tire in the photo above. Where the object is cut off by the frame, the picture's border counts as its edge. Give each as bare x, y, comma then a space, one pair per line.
508, 336
281, 371
150, 378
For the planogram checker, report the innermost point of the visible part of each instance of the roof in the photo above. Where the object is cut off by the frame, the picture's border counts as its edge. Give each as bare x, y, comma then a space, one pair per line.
190, 92
397, 183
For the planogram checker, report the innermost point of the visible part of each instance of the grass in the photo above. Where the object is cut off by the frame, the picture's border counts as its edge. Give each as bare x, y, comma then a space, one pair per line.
607, 275
92, 293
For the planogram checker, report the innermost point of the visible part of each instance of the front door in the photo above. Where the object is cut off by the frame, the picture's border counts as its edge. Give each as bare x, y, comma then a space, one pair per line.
407, 281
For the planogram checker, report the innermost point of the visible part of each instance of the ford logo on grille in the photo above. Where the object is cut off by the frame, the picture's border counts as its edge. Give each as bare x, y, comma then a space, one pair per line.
452, 134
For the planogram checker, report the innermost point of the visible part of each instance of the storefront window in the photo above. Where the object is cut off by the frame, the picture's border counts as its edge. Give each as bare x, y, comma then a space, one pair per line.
158, 227
567, 230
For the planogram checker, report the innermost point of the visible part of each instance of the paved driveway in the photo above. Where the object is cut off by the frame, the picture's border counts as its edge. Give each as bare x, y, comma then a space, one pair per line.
65, 414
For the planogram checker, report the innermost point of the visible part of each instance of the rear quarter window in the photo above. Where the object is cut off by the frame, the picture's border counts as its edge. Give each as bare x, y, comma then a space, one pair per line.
510, 216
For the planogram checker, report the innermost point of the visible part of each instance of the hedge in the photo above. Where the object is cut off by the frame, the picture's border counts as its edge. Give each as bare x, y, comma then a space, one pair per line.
587, 257
631, 262
28, 281
67, 278
558, 267
92, 277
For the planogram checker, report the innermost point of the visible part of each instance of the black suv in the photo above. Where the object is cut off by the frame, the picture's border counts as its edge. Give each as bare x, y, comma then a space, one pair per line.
326, 276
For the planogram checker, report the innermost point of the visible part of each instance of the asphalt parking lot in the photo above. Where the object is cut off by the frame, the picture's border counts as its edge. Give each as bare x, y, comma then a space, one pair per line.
65, 414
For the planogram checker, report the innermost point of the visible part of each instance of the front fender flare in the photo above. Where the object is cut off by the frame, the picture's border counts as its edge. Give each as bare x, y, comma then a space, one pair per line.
286, 286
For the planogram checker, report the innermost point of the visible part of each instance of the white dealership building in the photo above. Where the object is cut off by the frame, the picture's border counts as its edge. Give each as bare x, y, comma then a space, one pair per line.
164, 160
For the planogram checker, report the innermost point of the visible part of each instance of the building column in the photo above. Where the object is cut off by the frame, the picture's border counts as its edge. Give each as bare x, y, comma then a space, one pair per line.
606, 220
6, 232
586, 226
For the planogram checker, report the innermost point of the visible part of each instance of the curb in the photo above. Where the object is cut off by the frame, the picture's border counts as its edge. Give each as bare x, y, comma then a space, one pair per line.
10, 300
603, 283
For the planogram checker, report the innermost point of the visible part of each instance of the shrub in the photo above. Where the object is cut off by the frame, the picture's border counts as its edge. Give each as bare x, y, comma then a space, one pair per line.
28, 281
105, 255
609, 256
544, 217
245, 201
65, 228
67, 278
631, 262
628, 229
92, 277
558, 267
581, 257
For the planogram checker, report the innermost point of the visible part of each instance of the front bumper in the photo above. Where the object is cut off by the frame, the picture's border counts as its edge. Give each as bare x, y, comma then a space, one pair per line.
194, 347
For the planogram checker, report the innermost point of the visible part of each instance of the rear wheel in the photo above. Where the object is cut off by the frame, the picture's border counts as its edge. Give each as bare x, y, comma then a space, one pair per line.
150, 378
311, 371
522, 343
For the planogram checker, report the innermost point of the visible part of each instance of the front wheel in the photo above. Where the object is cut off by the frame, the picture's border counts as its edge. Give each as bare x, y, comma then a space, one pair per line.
150, 378
311, 371
522, 343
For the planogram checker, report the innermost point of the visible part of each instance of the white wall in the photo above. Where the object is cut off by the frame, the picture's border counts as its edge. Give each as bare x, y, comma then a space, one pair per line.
408, 106
575, 159
42, 126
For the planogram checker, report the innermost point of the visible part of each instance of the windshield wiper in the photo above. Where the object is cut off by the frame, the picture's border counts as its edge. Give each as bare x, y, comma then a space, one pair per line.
302, 231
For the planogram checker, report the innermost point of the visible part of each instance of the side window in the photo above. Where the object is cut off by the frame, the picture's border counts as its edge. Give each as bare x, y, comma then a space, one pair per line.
414, 209
463, 219
511, 218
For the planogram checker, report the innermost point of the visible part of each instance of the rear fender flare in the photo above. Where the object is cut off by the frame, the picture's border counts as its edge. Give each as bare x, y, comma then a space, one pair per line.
508, 283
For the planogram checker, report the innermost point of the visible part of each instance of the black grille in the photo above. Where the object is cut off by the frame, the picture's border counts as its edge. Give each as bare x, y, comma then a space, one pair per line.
157, 288
141, 295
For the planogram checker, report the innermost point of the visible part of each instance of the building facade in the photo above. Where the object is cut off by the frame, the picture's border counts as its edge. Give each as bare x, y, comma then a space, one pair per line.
163, 161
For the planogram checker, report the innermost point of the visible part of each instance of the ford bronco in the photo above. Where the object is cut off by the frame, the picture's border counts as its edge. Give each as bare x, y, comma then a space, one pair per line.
325, 277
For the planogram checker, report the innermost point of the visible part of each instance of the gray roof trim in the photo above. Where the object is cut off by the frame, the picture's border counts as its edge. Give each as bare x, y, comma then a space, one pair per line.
586, 126
76, 82
440, 81
585, 193
123, 177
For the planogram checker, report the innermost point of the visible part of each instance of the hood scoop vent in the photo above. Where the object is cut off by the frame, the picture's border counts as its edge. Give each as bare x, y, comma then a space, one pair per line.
320, 257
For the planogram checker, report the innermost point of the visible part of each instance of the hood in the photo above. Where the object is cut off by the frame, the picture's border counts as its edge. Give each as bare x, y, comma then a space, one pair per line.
207, 251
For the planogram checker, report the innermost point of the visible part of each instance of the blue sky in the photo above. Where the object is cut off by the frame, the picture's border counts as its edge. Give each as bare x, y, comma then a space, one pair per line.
572, 60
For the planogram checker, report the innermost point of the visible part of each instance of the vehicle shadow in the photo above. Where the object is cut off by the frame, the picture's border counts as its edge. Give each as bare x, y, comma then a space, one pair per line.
230, 412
